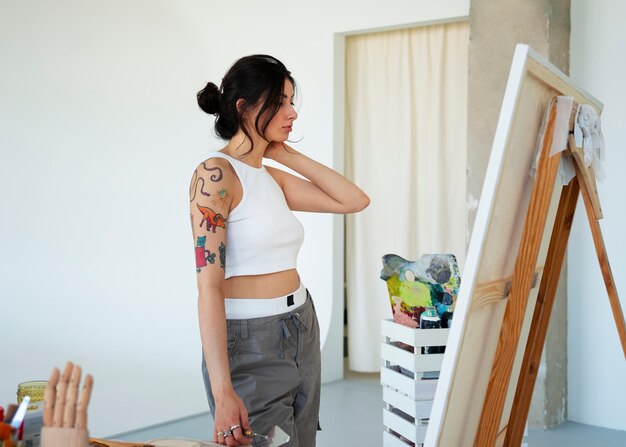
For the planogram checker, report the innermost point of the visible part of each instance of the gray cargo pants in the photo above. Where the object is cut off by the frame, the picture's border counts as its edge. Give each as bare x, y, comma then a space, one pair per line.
275, 369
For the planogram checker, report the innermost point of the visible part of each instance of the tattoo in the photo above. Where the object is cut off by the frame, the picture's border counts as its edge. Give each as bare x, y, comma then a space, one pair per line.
221, 198
212, 219
214, 177
194, 186
202, 254
210, 257
222, 249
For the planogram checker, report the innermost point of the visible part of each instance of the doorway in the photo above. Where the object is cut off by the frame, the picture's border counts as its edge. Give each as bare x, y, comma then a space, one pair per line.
405, 145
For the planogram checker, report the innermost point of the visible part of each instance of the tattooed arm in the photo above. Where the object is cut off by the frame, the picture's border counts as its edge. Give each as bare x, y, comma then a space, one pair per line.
213, 192
322, 190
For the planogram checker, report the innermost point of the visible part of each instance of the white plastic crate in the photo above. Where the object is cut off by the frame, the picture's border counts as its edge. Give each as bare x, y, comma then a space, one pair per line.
391, 440
417, 409
420, 389
404, 367
409, 378
412, 431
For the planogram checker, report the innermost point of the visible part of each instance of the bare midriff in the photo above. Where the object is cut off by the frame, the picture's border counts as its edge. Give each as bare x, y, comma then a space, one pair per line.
269, 285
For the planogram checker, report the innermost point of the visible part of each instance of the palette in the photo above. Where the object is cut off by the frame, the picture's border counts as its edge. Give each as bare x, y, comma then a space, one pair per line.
431, 281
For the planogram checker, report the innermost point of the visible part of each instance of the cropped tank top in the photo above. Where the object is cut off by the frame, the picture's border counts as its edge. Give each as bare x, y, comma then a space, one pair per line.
263, 235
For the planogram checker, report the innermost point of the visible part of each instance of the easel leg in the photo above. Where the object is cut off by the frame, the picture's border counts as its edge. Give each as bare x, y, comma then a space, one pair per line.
541, 316
603, 258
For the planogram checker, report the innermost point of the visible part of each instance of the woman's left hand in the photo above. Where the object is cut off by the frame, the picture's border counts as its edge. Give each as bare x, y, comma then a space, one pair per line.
321, 190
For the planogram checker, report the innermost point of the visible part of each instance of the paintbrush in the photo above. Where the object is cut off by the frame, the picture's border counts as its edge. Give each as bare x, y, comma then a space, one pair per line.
95, 442
9, 431
276, 437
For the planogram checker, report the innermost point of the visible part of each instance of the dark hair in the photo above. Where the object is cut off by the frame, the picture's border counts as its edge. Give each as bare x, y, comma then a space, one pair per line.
254, 79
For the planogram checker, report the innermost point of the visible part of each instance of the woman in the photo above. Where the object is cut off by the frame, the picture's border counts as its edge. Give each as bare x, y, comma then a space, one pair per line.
260, 337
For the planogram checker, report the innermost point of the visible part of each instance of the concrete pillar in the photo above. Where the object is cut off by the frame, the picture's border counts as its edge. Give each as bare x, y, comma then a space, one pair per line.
496, 26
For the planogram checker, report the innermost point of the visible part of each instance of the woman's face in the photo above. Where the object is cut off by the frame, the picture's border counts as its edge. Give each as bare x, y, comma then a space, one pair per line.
281, 124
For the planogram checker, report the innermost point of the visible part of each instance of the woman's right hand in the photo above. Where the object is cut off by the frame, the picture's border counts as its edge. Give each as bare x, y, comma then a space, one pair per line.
231, 416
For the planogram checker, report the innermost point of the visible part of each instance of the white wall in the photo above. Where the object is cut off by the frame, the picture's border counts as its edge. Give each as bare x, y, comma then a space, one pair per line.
99, 134
596, 364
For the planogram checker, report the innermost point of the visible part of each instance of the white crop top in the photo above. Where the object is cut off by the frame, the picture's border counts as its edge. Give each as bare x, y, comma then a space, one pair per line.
262, 234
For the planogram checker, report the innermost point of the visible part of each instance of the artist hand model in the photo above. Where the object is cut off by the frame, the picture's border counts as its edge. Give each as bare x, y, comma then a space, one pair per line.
65, 411
260, 350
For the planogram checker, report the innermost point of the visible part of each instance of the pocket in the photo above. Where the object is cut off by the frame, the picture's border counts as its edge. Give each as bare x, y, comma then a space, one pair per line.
313, 335
233, 343
264, 343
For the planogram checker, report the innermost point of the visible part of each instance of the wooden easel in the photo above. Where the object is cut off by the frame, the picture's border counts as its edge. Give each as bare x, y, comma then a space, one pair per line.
522, 282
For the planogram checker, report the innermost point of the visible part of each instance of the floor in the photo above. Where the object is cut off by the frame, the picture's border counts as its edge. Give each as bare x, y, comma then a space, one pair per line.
351, 416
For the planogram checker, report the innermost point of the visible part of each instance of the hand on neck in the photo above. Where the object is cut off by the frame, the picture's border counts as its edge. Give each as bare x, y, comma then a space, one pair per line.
245, 150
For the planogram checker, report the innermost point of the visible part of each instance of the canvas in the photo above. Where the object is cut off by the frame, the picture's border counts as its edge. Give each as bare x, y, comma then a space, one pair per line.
491, 285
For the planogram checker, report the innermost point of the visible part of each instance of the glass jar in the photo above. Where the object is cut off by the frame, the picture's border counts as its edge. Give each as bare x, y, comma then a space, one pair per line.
35, 389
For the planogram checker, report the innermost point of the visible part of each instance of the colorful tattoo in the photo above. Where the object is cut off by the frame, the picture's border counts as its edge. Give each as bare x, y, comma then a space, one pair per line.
221, 199
194, 186
202, 254
212, 219
214, 177
210, 257
222, 249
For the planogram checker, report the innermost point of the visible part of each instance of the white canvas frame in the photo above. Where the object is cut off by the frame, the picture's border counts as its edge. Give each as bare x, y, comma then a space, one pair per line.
493, 251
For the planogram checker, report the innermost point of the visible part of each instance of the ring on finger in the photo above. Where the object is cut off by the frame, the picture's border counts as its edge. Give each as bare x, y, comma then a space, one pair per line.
228, 433
220, 433
234, 427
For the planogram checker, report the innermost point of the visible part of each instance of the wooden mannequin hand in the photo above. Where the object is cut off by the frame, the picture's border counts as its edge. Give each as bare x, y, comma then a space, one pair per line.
64, 413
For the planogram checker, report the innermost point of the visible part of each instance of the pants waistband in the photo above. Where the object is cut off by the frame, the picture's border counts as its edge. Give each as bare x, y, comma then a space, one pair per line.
245, 308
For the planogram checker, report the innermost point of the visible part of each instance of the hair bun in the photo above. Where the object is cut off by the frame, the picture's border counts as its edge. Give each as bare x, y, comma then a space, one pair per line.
209, 99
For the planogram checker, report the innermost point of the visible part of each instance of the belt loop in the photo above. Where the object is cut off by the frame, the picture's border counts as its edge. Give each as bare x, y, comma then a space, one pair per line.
244, 329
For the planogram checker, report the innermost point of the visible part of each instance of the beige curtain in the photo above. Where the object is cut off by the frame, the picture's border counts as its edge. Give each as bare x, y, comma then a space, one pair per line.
406, 113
